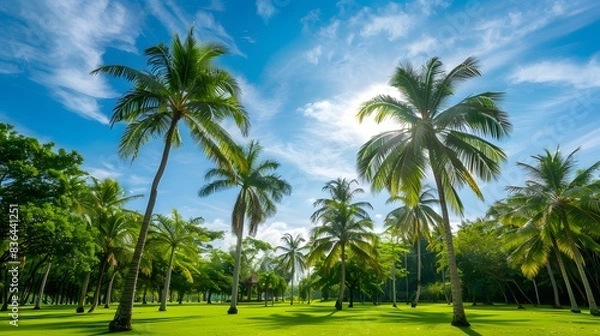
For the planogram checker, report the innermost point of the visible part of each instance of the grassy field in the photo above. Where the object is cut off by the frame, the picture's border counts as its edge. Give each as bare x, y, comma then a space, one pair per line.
301, 319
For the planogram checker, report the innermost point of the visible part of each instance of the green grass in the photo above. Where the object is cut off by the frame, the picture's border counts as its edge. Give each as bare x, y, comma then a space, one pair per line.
304, 320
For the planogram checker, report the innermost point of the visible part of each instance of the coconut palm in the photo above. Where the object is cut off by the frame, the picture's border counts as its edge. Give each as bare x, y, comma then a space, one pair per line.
525, 241
293, 256
414, 219
562, 202
259, 189
173, 235
114, 226
182, 84
343, 226
113, 234
432, 134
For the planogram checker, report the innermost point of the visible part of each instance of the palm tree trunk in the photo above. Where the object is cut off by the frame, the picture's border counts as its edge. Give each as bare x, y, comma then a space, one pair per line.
406, 277
43, 286
416, 299
459, 318
563, 271
537, 294
99, 283
554, 286
292, 291
586, 285
122, 319
338, 303
236, 273
83, 294
579, 263
109, 290
165, 292
394, 284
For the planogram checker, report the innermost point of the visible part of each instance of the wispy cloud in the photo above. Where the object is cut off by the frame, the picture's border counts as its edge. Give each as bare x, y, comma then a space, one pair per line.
391, 20
176, 20
59, 43
265, 9
560, 72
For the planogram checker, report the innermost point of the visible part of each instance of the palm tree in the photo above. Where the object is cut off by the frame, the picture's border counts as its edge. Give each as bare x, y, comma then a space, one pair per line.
565, 207
259, 189
413, 219
172, 235
293, 256
181, 85
114, 227
529, 244
342, 226
113, 234
432, 135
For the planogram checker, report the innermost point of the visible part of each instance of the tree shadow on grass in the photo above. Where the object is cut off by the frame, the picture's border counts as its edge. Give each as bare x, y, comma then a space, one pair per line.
97, 328
469, 331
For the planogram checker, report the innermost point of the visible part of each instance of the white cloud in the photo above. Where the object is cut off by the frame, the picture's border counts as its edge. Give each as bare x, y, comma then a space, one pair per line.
313, 55
61, 42
560, 72
260, 105
9, 68
394, 22
265, 9
587, 141
178, 21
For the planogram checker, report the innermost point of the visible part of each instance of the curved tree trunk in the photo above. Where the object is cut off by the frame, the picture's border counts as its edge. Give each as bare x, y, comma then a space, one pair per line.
292, 291
586, 285
83, 294
122, 319
563, 271
459, 317
43, 286
96, 300
236, 273
554, 286
165, 292
338, 303
577, 257
394, 284
416, 299
537, 293
109, 290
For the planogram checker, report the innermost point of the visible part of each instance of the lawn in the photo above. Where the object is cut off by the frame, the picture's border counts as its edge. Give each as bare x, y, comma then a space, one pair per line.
301, 319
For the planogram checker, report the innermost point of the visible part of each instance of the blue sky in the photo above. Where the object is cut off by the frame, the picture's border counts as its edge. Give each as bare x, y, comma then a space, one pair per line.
304, 67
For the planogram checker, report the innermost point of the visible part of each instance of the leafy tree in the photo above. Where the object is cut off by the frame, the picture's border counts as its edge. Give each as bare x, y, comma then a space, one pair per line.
181, 85
176, 237
414, 219
114, 228
435, 135
293, 256
342, 226
563, 204
259, 189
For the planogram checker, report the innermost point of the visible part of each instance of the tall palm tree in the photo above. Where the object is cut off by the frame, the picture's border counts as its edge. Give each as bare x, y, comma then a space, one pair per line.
561, 200
259, 189
413, 219
114, 227
434, 135
172, 235
293, 256
342, 226
182, 84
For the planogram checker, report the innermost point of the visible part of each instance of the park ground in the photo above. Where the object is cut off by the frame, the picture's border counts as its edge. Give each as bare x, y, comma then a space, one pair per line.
301, 319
